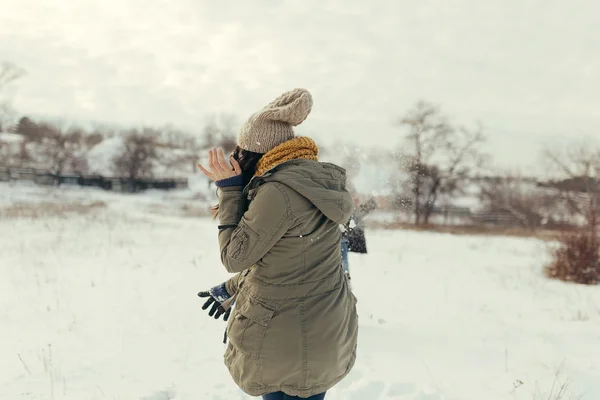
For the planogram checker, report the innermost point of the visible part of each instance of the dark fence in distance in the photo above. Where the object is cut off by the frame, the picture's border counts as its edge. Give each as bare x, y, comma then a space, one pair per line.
44, 177
464, 216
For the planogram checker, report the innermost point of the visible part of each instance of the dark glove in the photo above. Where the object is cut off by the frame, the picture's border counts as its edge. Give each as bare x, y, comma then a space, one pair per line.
216, 296
369, 206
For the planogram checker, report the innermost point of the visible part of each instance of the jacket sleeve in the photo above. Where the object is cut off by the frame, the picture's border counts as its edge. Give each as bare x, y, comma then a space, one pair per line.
365, 208
244, 238
232, 285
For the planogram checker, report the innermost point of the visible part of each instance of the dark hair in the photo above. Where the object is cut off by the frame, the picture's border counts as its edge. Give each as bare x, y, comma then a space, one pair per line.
248, 161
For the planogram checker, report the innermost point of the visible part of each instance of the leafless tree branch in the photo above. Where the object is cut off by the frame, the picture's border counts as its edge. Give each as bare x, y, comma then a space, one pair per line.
439, 156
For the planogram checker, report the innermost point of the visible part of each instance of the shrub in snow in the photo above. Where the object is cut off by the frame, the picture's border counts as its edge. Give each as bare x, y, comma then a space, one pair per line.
138, 155
577, 259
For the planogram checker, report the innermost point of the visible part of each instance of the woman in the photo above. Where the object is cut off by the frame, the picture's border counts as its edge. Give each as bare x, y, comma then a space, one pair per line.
294, 327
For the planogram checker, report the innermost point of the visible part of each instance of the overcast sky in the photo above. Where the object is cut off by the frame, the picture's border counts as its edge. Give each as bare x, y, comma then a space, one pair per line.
529, 70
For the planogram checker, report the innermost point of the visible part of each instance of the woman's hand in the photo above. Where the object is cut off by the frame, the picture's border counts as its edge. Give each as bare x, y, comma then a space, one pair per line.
219, 168
216, 297
216, 311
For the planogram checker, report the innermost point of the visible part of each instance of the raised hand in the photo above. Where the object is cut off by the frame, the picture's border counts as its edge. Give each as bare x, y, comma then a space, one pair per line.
219, 168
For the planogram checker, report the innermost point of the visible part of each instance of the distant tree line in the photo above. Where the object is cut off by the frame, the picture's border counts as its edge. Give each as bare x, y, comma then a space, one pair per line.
62, 147
438, 161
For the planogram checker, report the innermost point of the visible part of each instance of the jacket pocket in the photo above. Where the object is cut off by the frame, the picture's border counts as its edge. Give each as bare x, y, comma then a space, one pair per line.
240, 239
249, 326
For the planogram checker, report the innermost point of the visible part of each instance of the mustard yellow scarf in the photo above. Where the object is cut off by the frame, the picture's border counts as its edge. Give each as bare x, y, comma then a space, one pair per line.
299, 147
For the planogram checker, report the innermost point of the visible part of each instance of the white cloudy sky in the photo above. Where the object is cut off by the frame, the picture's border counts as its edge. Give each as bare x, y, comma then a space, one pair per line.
529, 70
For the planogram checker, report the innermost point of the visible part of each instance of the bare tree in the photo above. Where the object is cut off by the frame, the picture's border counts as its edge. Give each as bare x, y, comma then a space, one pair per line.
22, 157
210, 135
139, 154
577, 259
30, 130
60, 148
228, 137
25, 126
438, 157
580, 186
528, 204
220, 132
227, 143
185, 150
104, 130
93, 139
53, 145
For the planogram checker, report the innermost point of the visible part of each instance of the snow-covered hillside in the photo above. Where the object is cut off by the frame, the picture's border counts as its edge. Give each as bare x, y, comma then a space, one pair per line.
101, 303
100, 157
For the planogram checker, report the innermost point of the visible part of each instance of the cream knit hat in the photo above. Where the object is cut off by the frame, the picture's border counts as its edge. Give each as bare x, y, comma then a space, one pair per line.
272, 125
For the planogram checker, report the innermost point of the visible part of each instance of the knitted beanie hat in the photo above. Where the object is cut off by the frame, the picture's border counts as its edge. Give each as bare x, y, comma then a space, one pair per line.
272, 126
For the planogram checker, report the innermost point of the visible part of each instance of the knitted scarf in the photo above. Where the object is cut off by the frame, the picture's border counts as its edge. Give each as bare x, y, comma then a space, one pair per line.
298, 148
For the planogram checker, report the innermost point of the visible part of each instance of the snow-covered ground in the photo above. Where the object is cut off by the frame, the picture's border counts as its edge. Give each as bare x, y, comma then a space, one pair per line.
101, 304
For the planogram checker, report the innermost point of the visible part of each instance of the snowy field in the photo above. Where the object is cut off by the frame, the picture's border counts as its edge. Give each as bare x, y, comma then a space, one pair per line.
98, 301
